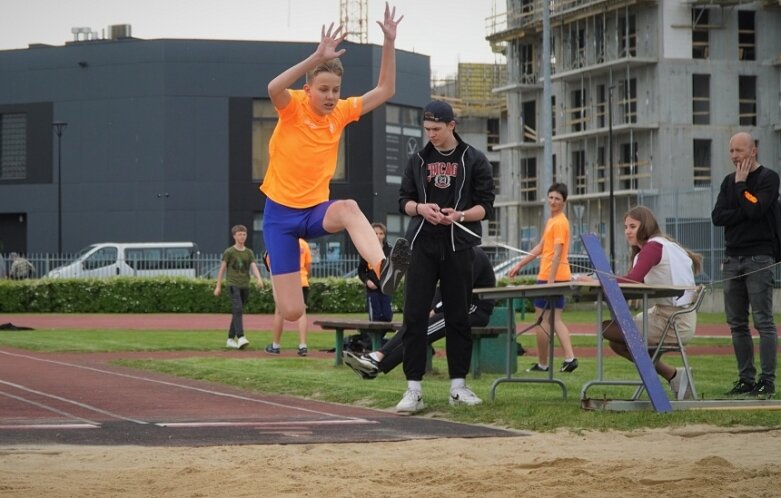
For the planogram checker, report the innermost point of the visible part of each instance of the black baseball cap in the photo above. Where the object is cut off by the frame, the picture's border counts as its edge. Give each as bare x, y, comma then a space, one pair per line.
439, 111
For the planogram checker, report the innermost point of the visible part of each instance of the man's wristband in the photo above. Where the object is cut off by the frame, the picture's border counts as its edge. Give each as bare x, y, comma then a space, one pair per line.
463, 216
416, 208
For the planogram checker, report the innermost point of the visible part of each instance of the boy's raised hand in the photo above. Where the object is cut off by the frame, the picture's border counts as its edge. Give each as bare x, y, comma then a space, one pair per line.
389, 25
329, 40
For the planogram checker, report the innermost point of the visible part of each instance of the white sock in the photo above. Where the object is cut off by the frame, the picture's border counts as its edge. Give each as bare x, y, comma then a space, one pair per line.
456, 383
275, 345
415, 385
569, 360
542, 366
375, 357
301, 345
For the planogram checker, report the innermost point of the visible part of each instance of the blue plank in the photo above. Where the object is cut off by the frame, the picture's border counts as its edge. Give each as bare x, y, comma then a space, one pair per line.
621, 314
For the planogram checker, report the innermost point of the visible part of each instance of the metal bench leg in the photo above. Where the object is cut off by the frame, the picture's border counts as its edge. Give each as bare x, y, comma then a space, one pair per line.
476, 357
339, 346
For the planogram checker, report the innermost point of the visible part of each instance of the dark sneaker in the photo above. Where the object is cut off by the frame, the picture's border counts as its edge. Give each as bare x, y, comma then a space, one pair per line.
364, 365
521, 351
303, 351
763, 390
537, 368
271, 349
741, 388
394, 267
569, 366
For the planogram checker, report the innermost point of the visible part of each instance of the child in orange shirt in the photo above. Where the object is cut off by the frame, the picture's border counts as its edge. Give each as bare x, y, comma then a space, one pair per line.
302, 159
554, 267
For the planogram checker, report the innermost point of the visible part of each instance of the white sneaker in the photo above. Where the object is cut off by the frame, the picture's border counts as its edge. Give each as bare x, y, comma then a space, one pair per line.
232, 343
412, 402
464, 396
680, 385
242, 342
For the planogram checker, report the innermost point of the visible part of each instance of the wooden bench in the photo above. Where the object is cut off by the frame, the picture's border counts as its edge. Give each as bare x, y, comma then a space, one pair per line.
375, 331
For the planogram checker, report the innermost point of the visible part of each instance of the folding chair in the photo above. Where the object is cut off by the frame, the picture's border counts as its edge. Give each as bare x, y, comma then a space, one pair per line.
662, 348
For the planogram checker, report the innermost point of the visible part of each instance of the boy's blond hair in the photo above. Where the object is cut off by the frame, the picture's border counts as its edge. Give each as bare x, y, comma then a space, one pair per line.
333, 66
238, 228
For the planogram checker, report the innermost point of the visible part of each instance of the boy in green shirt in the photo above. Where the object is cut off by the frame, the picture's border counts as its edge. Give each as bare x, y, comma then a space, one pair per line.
238, 261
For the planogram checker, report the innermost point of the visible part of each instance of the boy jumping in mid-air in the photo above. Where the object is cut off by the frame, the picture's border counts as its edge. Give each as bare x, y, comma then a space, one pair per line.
302, 159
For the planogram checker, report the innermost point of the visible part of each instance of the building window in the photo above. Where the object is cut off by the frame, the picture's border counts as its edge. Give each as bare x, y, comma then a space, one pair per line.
601, 168
627, 36
264, 120
578, 111
601, 108
599, 39
701, 99
528, 179
579, 178
628, 174
495, 225
747, 100
700, 33
529, 120
746, 35
526, 55
13, 146
497, 174
702, 160
492, 131
553, 115
577, 47
628, 101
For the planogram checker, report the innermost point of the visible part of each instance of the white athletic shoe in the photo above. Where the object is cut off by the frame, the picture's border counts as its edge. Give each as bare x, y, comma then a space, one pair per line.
232, 343
463, 396
412, 402
242, 342
680, 385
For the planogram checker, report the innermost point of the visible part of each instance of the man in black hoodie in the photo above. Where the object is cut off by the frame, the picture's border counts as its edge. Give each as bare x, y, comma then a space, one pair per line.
447, 188
743, 208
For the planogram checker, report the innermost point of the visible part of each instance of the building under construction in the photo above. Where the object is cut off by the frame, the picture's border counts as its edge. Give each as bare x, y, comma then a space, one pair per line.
653, 88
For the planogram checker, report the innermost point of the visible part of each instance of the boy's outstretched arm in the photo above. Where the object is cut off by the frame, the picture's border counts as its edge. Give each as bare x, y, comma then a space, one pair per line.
326, 50
386, 83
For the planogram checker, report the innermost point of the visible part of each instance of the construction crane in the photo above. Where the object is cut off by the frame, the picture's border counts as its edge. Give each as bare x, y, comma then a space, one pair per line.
354, 17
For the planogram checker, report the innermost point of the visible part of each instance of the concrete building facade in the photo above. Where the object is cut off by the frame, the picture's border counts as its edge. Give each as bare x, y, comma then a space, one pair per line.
653, 88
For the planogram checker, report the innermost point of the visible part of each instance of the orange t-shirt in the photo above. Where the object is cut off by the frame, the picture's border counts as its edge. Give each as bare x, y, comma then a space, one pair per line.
306, 261
556, 232
303, 151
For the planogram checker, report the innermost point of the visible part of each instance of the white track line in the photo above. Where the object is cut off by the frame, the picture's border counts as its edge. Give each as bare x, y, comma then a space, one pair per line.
264, 424
183, 386
87, 422
66, 400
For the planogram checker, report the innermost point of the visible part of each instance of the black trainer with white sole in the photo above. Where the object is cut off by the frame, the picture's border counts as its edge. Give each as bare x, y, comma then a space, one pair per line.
394, 267
364, 365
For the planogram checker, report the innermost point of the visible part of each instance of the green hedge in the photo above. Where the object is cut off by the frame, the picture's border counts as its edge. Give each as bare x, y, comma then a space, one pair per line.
166, 295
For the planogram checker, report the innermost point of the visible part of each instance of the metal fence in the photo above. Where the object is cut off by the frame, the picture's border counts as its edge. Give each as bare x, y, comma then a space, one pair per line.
684, 215
204, 265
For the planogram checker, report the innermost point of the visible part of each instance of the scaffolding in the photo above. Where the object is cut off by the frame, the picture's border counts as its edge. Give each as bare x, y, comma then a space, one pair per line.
354, 18
471, 92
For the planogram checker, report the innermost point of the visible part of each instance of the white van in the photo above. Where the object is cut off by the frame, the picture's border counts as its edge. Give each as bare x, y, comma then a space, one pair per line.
142, 259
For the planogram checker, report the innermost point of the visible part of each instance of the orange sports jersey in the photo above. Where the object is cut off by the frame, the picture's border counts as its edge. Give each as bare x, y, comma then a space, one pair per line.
556, 232
306, 261
303, 151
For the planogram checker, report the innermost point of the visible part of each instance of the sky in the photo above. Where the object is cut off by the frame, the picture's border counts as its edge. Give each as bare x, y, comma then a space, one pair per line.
449, 31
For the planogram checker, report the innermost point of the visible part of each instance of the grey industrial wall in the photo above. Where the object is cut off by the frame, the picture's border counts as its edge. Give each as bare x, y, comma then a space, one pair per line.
158, 142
